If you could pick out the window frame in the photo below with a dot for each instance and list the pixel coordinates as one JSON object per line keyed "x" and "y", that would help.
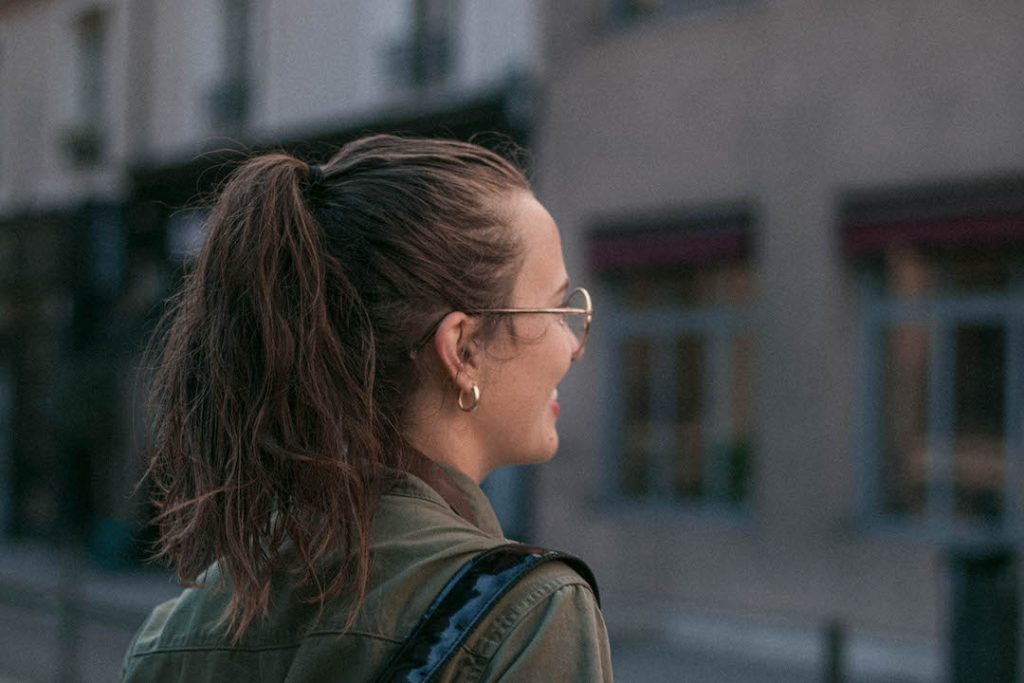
{"x": 719, "y": 326}
{"x": 943, "y": 314}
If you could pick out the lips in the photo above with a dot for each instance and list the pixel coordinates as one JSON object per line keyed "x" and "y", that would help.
{"x": 553, "y": 402}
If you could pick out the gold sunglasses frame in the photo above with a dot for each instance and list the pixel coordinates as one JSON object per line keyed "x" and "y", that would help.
{"x": 587, "y": 312}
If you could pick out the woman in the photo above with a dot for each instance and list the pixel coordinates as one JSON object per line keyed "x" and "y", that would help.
{"x": 359, "y": 345}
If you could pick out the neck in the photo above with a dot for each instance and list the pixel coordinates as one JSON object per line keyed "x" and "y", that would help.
{"x": 448, "y": 439}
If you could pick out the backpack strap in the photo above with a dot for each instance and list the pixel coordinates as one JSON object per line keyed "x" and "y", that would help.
{"x": 463, "y": 602}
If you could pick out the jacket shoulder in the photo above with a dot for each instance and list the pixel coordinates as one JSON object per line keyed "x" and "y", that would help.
{"x": 547, "y": 627}
{"x": 540, "y": 589}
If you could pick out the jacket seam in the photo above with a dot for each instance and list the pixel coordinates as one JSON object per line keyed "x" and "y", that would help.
{"x": 263, "y": 648}
{"x": 416, "y": 496}
{"x": 211, "y": 648}
{"x": 364, "y": 634}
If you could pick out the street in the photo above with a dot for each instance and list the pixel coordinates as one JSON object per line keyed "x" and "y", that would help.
{"x": 30, "y": 649}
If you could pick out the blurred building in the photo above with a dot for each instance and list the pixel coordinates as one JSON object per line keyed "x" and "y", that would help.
{"x": 117, "y": 116}
{"x": 802, "y": 223}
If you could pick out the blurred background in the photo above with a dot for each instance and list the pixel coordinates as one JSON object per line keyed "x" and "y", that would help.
{"x": 793, "y": 450}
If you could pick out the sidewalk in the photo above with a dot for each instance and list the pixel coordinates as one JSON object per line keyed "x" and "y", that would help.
{"x": 35, "y": 574}
{"x": 59, "y": 613}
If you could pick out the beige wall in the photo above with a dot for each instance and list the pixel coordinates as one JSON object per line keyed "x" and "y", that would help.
{"x": 785, "y": 106}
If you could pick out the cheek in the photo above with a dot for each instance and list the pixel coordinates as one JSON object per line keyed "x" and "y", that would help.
{"x": 521, "y": 394}
{"x": 524, "y": 384}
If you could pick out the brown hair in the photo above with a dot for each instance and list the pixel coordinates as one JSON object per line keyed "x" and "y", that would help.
{"x": 280, "y": 386}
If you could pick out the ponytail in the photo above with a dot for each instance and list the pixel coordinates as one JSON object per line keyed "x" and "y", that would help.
{"x": 268, "y": 353}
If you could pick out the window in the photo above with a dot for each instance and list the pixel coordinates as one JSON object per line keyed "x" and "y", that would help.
{"x": 942, "y": 347}
{"x": 678, "y": 364}
{"x": 426, "y": 55}
{"x": 84, "y": 141}
{"x": 631, "y": 10}
{"x": 92, "y": 46}
{"x": 229, "y": 98}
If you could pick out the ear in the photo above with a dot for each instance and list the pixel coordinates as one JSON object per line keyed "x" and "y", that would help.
{"x": 457, "y": 349}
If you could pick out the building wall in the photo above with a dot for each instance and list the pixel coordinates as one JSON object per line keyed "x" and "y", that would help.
{"x": 318, "y": 64}
{"x": 785, "y": 107}
{"x": 183, "y": 69}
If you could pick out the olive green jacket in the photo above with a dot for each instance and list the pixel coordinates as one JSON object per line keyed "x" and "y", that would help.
{"x": 547, "y": 628}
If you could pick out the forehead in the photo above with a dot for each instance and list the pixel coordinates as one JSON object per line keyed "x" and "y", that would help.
{"x": 543, "y": 267}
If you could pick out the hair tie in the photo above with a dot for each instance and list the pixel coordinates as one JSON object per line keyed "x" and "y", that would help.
{"x": 316, "y": 174}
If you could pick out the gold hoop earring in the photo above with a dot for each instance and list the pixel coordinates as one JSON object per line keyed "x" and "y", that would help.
{"x": 476, "y": 400}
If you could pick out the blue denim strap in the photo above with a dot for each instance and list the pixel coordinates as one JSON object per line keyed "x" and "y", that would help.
{"x": 463, "y": 603}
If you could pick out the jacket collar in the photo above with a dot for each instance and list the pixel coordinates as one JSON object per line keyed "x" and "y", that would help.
{"x": 456, "y": 489}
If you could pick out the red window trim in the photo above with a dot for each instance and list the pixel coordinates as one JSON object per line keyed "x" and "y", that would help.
{"x": 672, "y": 242}
{"x": 873, "y": 237}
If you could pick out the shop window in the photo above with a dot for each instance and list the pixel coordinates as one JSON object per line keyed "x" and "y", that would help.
{"x": 678, "y": 364}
